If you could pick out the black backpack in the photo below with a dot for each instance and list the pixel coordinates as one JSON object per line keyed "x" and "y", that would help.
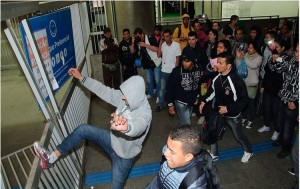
{"x": 204, "y": 165}
{"x": 214, "y": 129}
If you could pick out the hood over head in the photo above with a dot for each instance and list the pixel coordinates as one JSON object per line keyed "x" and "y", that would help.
{"x": 185, "y": 16}
{"x": 134, "y": 91}
{"x": 182, "y": 22}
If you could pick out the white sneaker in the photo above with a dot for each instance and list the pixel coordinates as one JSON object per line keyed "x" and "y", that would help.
{"x": 149, "y": 96}
{"x": 201, "y": 120}
{"x": 157, "y": 100}
{"x": 263, "y": 129}
{"x": 246, "y": 157}
{"x": 213, "y": 157}
{"x": 193, "y": 114}
{"x": 275, "y": 135}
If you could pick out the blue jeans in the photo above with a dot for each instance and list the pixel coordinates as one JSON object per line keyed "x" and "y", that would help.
{"x": 163, "y": 86}
{"x": 184, "y": 113}
{"x": 101, "y": 137}
{"x": 153, "y": 74}
{"x": 236, "y": 126}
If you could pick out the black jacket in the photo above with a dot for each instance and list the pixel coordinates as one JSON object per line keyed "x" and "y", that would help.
{"x": 125, "y": 56}
{"x": 230, "y": 91}
{"x": 183, "y": 86}
{"x": 197, "y": 55}
{"x": 272, "y": 81}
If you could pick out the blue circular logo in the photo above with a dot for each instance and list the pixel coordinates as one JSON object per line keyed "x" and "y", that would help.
{"x": 52, "y": 28}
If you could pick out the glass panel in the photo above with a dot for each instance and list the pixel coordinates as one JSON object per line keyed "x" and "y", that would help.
{"x": 170, "y": 9}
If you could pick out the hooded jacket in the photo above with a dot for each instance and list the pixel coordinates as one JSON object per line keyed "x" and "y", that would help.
{"x": 184, "y": 32}
{"x": 126, "y": 144}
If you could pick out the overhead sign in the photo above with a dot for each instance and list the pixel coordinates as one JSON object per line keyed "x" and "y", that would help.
{"x": 54, "y": 38}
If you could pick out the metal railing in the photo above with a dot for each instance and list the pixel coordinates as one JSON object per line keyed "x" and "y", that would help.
{"x": 21, "y": 169}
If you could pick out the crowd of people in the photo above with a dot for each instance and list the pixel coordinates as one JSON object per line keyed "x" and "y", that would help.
{"x": 194, "y": 69}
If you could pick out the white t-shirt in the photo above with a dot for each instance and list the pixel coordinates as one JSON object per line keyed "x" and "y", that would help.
{"x": 169, "y": 54}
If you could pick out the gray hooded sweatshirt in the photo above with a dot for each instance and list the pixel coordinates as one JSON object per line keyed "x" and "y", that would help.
{"x": 126, "y": 144}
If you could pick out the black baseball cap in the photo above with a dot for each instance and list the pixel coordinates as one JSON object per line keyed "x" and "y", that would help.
{"x": 187, "y": 55}
{"x": 184, "y": 57}
{"x": 158, "y": 27}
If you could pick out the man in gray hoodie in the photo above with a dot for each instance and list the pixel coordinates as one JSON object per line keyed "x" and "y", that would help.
{"x": 128, "y": 128}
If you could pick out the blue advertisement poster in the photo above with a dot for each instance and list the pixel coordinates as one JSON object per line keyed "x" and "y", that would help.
{"x": 54, "y": 37}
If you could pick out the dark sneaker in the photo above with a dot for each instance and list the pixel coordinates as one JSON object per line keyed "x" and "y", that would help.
{"x": 283, "y": 154}
{"x": 249, "y": 124}
{"x": 276, "y": 143}
{"x": 244, "y": 121}
{"x": 158, "y": 108}
{"x": 291, "y": 171}
{"x": 43, "y": 154}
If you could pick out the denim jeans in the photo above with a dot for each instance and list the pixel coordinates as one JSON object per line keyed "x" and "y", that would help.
{"x": 184, "y": 113}
{"x": 153, "y": 74}
{"x": 163, "y": 86}
{"x": 101, "y": 137}
{"x": 271, "y": 110}
{"x": 287, "y": 129}
{"x": 236, "y": 126}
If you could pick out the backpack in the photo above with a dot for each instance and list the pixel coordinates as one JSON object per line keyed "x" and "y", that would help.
{"x": 179, "y": 30}
{"x": 204, "y": 165}
{"x": 214, "y": 129}
{"x": 146, "y": 61}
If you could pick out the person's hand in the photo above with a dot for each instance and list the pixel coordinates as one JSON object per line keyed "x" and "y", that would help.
{"x": 172, "y": 110}
{"x": 291, "y": 106}
{"x": 201, "y": 107}
{"x": 183, "y": 39}
{"x": 262, "y": 90}
{"x": 204, "y": 85}
{"x": 222, "y": 110}
{"x": 118, "y": 122}
{"x": 75, "y": 73}
{"x": 142, "y": 44}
